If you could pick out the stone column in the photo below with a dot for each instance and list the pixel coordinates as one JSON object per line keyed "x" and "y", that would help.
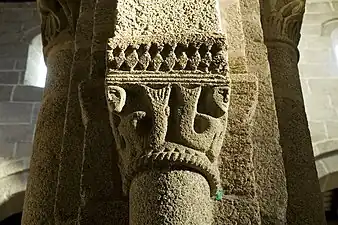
{"x": 253, "y": 193}
{"x": 281, "y": 23}
{"x": 168, "y": 94}
{"x": 58, "y": 40}
{"x": 71, "y": 155}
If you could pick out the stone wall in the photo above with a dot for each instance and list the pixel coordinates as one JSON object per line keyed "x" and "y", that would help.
{"x": 319, "y": 75}
{"x": 19, "y": 103}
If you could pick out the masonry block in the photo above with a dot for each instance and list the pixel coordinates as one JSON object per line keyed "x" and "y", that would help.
{"x": 311, "y": 29}
{"x": 318, "y": 7}
{"x": 27, "y": 93}
{"x": 36, "y": 110}
{"x": 6, "y": 63}
{"x": 318, "y": 131}
{"x": 15, "y": 112}
{"x": 327, "y": 146}
{"x": 319, "y": 43}
{"x": 8, "y": 37}
{"x": 10, "y": 77}
{"x": 315, "y": 56}
{"x": 6, "y": 149}
{"x": 317, "y": 18}
{"x": 324, "y": 86}
{"x": 334, "y": 100}
{"x": 20, "y": 64}
{"x": 14, "y": 50}
{"x": 318, "y": 107}
{"x": 5, "y": 92}
{"x": 320, "y": 70}
{"x": 24, "y": 149}
{"x": 16, "y": 133}
{"x": 332, "y": 129}
{"x": 16, "y": 15}
{"x": 10, "y": 27}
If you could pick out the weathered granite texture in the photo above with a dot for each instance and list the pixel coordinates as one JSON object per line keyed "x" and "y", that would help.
{"x": 101, "y": 190}
{"x": 281, "y": 23}
{"x": 249, "y": 67}
{"x": 267, "y": 157}
{"x": 188, "y": 193}
{"x": 40, "y": 193}
{"x": 168, "y": 94}
{"x": 58, "y": 47}
{"x": 183, "y": 144}
{"x": 71, "y": 155}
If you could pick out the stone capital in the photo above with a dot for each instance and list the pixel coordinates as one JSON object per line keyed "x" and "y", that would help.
{"x": 58, "y": 21}
{"x": 169, "y": 101}
{"x": 283, "y": 25}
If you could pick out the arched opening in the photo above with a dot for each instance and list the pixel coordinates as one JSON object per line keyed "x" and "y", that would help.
{"x": 13, "y": 181}
{"x": 326, "y": 154}
{"x": 36, "y": 70}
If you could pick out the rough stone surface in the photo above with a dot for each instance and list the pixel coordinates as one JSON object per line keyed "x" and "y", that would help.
{"x": 71, "y": 154}
{"x": 267, "y": 155}
{"x": 75, "y": 158}
{"x": 58, "y": 21}
{"x": 136, "y": 18}
{"x": 100, "y": 197}
{"x": 39, "y": 202}
{"x": 168, "y": 95}
{"x": 170, "y": 197}
{"x": 304, "y": 197}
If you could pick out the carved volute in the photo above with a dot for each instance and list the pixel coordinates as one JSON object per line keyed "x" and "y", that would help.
{"x": 169, "y": 100}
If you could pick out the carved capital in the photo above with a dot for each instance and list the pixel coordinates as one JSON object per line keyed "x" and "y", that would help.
{"x": 169, "y": 104}
{"x": 57, "y": 16}
{"x": 284, "y": 24}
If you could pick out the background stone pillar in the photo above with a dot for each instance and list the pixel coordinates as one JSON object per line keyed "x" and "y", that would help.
{"x": 58, "y": 40}
{"x": 255, "y": 149}
{"x": 281, "y": 23}
{"x": 71, "y": 155}
{"x": 101, "y": 188}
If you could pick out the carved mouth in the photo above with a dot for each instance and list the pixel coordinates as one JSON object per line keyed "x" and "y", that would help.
{"x": 172, "y": 156}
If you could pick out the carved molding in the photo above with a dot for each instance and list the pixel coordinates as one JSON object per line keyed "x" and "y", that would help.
{"x": 284, "y": 25}
{"x": 194, "y": 53}
{"x": 168, "y": 116}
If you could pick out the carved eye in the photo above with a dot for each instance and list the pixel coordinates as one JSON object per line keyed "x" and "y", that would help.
{"x": 223, "y": 93}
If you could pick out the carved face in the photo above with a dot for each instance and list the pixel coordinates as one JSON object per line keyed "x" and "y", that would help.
{"x": 189, "y": 116}
{"x": 116, "y": 98}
